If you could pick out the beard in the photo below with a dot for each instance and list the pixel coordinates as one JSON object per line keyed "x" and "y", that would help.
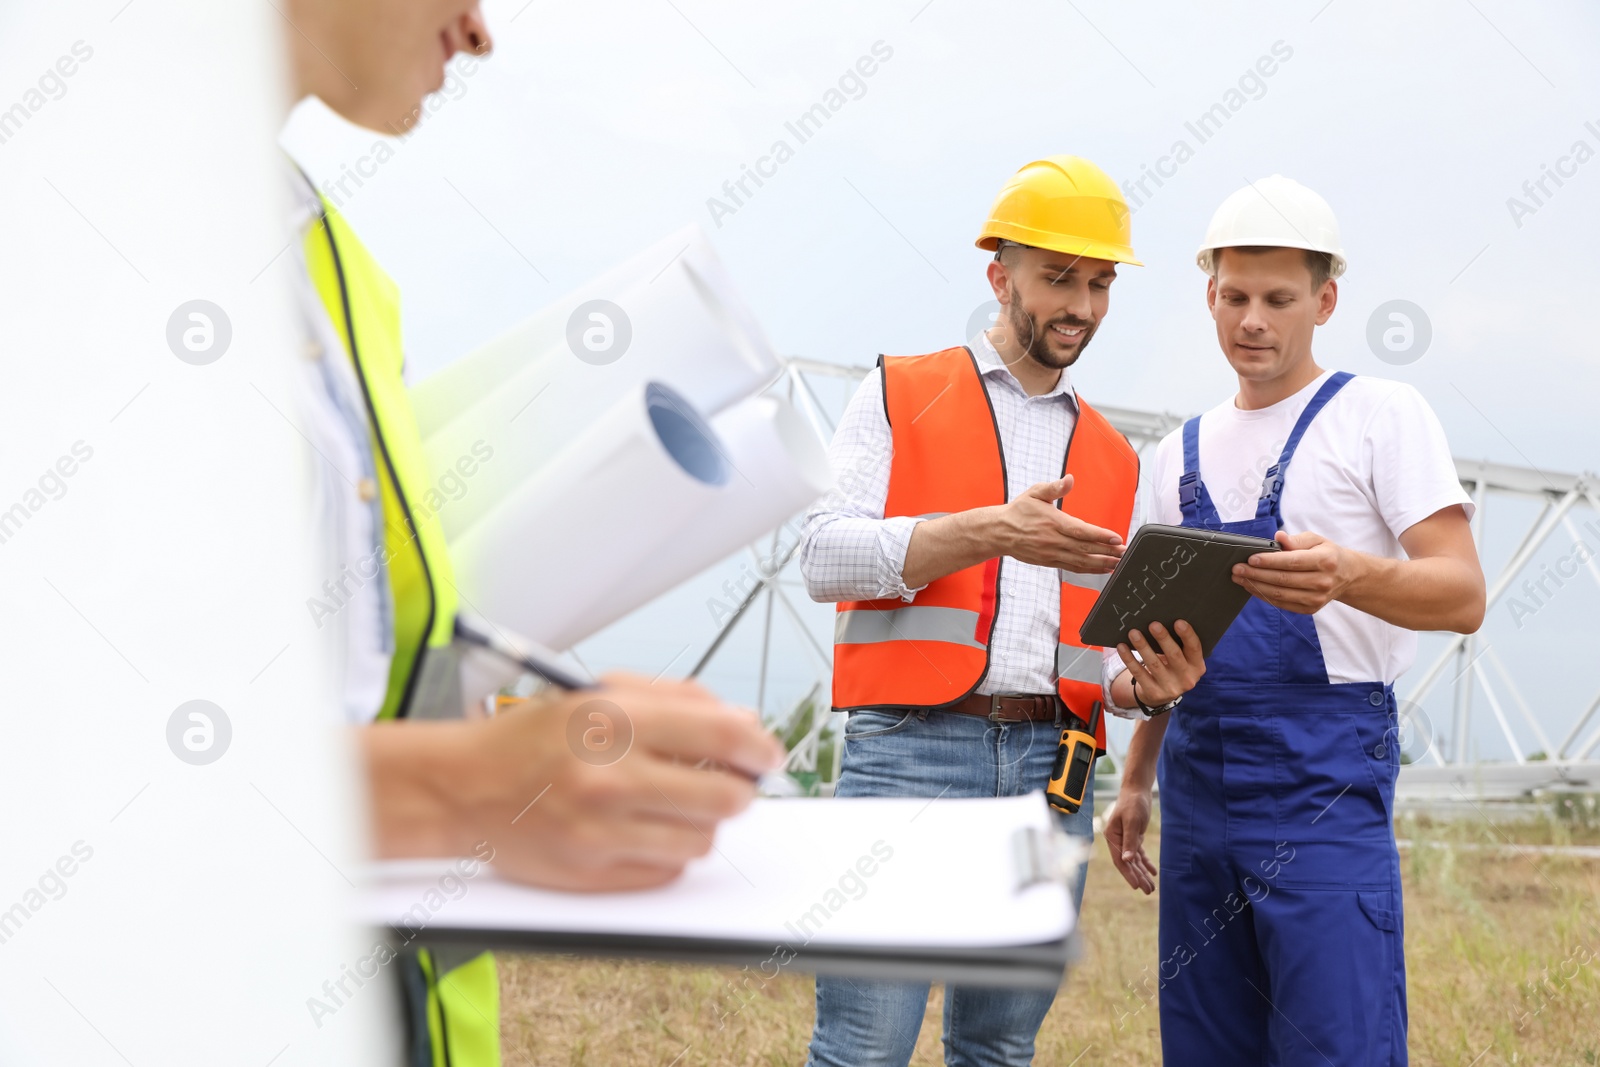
{"x": 1034, "y": 335}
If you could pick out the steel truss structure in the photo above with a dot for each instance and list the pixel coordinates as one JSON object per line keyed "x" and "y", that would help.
{"x": 1437, "y": 771}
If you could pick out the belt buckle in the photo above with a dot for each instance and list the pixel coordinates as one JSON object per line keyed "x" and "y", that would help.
{"x": 994, "y": 710}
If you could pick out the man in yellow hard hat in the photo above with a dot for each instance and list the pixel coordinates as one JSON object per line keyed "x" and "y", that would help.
{"x": 510, "y": 788}
{"x": 982, "y": 502}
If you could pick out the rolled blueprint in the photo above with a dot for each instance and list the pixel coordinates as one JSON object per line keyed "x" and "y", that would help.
{"x": 777, "y": 468}
{"x": 649, "y": 497}
{"x": 608, "y": 505}
{"x": 668, "y": 315}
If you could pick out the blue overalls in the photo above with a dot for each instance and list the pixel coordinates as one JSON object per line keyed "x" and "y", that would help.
{"x": 1281, "y": 939}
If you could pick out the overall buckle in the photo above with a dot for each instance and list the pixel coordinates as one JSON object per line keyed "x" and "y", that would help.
{"x": 1188, "y": 488}
{"x": 1274, "y": 484}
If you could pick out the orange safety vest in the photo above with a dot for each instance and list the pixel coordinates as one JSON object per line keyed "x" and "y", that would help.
{"x": 947, "y": 458}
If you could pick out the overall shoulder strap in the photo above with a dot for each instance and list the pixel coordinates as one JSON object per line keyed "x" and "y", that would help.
{"x": 1193, "y": 498}
{"x": 1272, "y": 486}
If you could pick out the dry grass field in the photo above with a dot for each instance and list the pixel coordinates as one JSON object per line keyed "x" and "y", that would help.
{"x": 1503, "y": 954}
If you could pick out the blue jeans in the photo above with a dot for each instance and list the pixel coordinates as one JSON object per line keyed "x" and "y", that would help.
{"x": 901, "y": 754}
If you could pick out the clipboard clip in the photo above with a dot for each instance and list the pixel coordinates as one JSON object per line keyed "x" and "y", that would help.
{"x": 1045, "y": 855}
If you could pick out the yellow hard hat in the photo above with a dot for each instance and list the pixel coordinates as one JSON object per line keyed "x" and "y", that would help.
{"x": 1065, "y": 204}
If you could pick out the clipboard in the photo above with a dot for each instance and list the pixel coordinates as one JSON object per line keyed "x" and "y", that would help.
{"x": 1170, "y": 573}
{"x": 787, "y": 888}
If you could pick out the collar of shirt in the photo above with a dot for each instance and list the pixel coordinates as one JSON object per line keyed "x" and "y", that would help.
{"x": 992, "y": 366}
{"x": 304, "y": 206}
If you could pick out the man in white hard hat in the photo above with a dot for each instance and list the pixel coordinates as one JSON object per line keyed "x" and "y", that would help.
{"x": 1281, "y": 934}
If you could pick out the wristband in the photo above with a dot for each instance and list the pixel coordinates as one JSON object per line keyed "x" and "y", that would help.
{"x": 1147, "y": 709}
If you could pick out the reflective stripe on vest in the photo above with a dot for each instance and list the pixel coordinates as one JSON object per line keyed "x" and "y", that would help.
{"x": 862, "y": 627}
{"x": 1096, "y": 582}
{"x": 947, "y": 458}
{"x": 1078, "y": 664}
{"x": 364, "y": 306}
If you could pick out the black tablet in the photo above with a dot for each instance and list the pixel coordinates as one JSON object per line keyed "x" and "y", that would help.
{"x": 1170, "y": 573}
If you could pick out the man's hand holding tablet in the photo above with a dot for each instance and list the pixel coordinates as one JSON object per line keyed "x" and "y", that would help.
{"x": 1162, "y": 672}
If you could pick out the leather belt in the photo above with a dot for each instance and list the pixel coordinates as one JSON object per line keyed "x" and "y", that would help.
{"x": 1012, "y": 707}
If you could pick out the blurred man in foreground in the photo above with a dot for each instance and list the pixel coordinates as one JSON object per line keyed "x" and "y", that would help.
{"x": 444, "y": 788}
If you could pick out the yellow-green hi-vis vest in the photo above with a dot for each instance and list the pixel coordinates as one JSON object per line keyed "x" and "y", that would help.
{"x": 463, "y": 1001}
{"x": 463, "y": 1010}
{"x": 364, "y": 306}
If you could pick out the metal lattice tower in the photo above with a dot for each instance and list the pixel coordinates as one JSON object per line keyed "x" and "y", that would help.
{"x": 1446, "y": 770}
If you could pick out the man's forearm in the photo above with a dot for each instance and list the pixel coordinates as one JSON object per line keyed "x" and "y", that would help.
{"x": 852, "y": 557}
{"x": 1121, "y": 691}
{"x": 1432, "y": 593}
{"x": 1139, "y": 768}
{"x": 948, "y": 544}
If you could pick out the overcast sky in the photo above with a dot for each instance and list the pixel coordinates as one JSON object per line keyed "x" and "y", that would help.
{"x": 597, "y": 128}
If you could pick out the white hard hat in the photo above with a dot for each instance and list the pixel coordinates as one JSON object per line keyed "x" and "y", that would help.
{"x": 1275, "y": 212}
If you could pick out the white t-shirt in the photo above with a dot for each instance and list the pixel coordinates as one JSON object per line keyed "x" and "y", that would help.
{"x": 1373, "y": 463}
